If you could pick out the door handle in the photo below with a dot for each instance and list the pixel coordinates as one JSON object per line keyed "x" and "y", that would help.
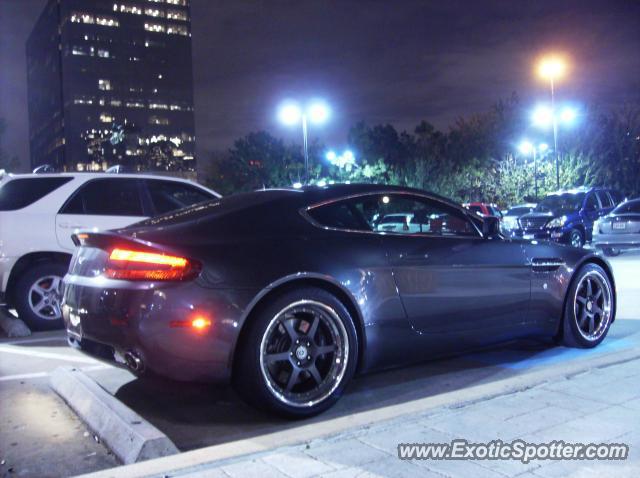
{"x": 67, "y": 225}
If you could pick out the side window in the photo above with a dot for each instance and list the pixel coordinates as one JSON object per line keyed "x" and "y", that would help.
{"x": 605, "y": 200}
{"x": 592, "y": 203}
{"x": 339, "y": 215}
{"x": 106, "y": 197}
{"x": 22, "y": 192}
{"x": 394, "y": 213}
{"x": 168, "y": 196}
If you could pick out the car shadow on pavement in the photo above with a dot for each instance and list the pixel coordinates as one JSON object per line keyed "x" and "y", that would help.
{"x": 197, "y": 415}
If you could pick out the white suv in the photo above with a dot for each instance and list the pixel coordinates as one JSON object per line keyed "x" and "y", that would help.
{"x": 39, "y": 212}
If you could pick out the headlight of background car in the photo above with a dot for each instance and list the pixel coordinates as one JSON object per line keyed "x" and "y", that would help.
{"x": 556, "y": 222}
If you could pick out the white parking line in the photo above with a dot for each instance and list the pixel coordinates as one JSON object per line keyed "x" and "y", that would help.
{"x": 13, "y": 349}
{"x": 26, "y": 376}
{"x": 34, "y": 340}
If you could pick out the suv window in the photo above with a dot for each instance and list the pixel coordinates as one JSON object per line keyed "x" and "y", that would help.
{"x": 171, "y": 195}
{"x": 592, "y": 203}
{"x": 605, "y": 200}
{"x": 394, "y": 213}
{"x": 106, "y": 197}
{"x": 21, "y": 192}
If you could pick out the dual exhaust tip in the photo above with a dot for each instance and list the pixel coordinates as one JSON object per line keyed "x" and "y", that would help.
{"x": 134, "y": 362}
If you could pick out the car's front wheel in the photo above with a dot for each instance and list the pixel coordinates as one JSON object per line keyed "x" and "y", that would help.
{"x": 589, "y": 308}
{"x": 576, "y": 238}
{"x": 299, "y": 354}
{"x": 38, "y": 296}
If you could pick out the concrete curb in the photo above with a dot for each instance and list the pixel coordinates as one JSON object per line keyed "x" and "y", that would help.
{"x": 127, "y": 434}
{"x": 201, "y": 459}
{"x": 13, "y": 326}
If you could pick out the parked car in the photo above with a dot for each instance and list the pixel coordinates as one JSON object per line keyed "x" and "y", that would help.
{"x": 289, "y": 293}
{"x": 510, "y": 216}
{"x": 484, "y": 209}
{"x": 567, "y": 216}
{"x": 40, "y": 212}
{"x": 619, "y": 229}
{"x": 396, "y": 223}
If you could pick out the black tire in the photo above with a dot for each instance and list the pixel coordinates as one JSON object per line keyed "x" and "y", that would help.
{"x": 261, "y": 381}
{"x": 576, "y": 238}
{"x": 48, "y": 318}
{"x": 577, "y": 312}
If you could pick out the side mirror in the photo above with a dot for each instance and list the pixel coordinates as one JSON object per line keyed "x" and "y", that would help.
{"x": 490, "y": 226}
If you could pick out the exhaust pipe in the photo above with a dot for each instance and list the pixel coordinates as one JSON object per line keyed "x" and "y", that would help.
{"x": 134, "y": 362}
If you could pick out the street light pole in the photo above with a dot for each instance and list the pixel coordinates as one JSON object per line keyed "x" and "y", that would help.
{"x": 305, "y": 148}
{"x": 555, "y": 132}
{"x": 535, "y": 173}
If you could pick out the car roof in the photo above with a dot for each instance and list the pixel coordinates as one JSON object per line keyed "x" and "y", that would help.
{"x": 97, "y": 175}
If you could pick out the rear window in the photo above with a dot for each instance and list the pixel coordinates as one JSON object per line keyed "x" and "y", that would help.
{"x": 628, "y": 207}
{"x": 107, "y": 197}
{"x": 22, "y": 192}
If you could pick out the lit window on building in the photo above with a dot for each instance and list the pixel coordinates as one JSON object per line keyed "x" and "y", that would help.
{"x": 154, "y": 27}
{"x": 134, "y": 104}
{"x": 175, "y": 108}
{"x": 156, "y": 1}
{"x": 115, "y": 102}
{"x": 78, "y": 50}
{"x": 158, "y": 120}
{"x": 177, "y": 30}
{"x": 107, "y": 21}
{"x": 103, "y": 53}
{"x": 106, "y": 118}
{"x": 182, "y": 3}
{"x": 158, "y": 106}
{"x": 177, "y": 15}
{"x": 104, "y": 85}
{"x": 79, "y": 17}
{"x": 83, "y": 100}
{"x": 154, "y": 12}
{"x": 124, "y": 8}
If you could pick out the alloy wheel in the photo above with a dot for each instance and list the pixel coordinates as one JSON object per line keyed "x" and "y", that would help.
{"x": 576, "y": 239}
{"x": 592, "y": 305}
{"x": 304, "y": 353}
{"x": 45, "y": 296}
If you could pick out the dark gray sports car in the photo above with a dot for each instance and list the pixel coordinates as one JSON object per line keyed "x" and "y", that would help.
{"x": 288, "y": 293}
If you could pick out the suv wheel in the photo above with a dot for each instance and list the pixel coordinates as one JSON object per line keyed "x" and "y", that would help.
{"x": 38, "y": 296}
{"x": 299, "y": 354}
{"x": 576, "y": 238}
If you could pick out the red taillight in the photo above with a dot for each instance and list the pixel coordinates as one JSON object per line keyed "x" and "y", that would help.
{"x": 131, "y": 264}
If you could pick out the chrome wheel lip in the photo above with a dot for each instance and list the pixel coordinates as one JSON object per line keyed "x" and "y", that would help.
{"x": 607, "y": 306}
{"x": 50, "y": 298}
{"x": 343, "y": 353}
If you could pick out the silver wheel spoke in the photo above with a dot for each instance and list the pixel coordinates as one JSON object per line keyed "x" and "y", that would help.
{"x": 314, "y": 327}
{"x": 293, "y": 379}
{"x": 598, "y": 294}
{"x": 56, "y": 309}
{"x": 279, "y": 357}
{"x": 583, "y": 317}
{"x": 326, "y": 349}
{"x": 581, "y": 300}
{"x": 39, "y": 306}
{"x": 288, "y": 325}
{"x": 315, "y": 374}
{"x": 589, "y": 288}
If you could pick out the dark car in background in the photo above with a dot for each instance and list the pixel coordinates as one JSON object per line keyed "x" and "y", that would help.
{"x": 567, "y": 216}
{"x": 619, "y": 229}
{"x": 289, "y": 293}
{"x": 511, "y": 216}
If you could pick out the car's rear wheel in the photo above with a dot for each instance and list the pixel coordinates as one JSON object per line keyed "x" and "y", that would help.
{"x": 576, "y": 238}
{"x": 38, "y": 296}
{"x": 589, "y": 308}
{"x": 299, "y": 354}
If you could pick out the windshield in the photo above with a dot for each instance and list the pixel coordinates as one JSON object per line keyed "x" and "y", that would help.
{"x": 561, "y": 202}
{"x": 518, "y": 211}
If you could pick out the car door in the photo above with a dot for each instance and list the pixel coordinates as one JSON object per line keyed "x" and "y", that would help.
{"x": 100, "y": 204}
{"x": 452, "y": 280}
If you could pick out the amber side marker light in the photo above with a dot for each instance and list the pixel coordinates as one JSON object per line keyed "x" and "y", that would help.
{"x": 131, "y": 264}
{"x": 198, "y": 323}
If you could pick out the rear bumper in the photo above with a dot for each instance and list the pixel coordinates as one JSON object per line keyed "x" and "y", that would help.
{"x": 619, "y": 241}
{"x": 108, "y": 319}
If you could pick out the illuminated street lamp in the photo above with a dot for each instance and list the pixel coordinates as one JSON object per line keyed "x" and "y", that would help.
{"x": 346, "y": 160}
{"x": 553, "y": 68}
{"x": 291, "y": 114}
{"x": 528, "y": 148}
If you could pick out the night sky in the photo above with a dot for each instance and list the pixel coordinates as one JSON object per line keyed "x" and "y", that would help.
{"x": 379, "y": 61}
